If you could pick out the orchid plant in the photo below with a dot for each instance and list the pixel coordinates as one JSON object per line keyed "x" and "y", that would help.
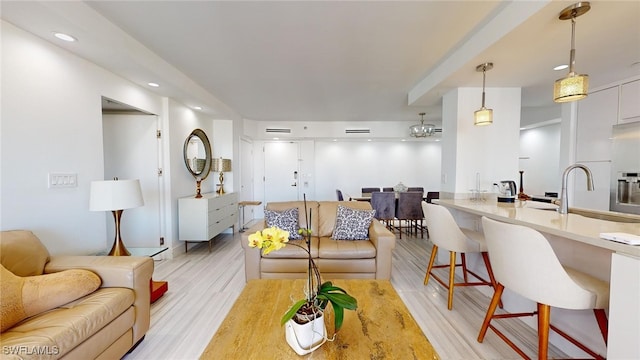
{"x": 318, "y": 294}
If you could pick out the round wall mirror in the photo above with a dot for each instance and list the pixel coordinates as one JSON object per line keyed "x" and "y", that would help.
{"x": 197, "y": 156}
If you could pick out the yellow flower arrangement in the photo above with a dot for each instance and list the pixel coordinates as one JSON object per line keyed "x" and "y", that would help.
{"x": 269, "y": 239}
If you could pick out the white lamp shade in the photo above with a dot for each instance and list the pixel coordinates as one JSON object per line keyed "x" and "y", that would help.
{"x": 109, "y": 195}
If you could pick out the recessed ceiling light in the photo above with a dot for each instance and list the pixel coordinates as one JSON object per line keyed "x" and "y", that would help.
{"x": 403, "y": 140}
{"x": 335, "y": 139}
{"x": 65, "y": 37}
{"x": 198, "y": 107}
{"x": 368, "y": 139}
{"x": 276, "y": 138}
{"x": 152, "y": 84}
{"x": 561, "y": 67}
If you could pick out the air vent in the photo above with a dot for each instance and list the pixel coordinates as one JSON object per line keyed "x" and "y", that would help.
{"x": 357, "y": 131}
{"x": 278, "y": 131}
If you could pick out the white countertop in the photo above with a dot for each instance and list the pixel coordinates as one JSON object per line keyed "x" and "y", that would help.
{"x": 570, "y": 226}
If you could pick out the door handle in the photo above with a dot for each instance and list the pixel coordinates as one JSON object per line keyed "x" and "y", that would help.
{"x": 295, "y": 179}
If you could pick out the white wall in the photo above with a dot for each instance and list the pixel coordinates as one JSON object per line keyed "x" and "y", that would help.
{"x": 349, "y": 166}
{"x": 540, "y": 159}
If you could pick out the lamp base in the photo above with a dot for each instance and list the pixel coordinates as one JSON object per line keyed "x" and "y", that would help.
{"x": 118, "y": 248}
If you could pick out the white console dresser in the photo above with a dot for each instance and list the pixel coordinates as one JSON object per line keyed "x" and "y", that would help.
{"x": 202, "y": 219}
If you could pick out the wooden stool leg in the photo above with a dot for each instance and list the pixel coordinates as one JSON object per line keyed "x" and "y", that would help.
{"x": 490, "y": 311}
{"x": 452, "y": 274}
{"x": 464, "y": 266}
{"x": 487, "y": 264}
{"x": 603, "y": 323}
{"x": 434, "y": 251}
{"x": 544, "y": 313}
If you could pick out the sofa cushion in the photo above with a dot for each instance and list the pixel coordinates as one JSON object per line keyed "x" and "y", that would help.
{"x": 22, "y": 253}
{"x": 22, "y": 297}
{"x": 346, "y": 249}
{"x": 328, "y": 211}
{"x": 286, "y": 220}
{"x": 352, "y": 224}
{"x": 65, "y": 327}
{"x": 312, "y": 208}
{"x": 291, "y": 251}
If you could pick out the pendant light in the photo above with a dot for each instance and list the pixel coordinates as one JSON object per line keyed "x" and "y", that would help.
{"x": 483, "y": 116}
{"x": 572, "y": 87}
{"x": 422, "y": 130}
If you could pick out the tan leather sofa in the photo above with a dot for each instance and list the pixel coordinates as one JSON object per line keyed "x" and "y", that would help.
{"x": 336, "y": 259}
{"x": 105, "y": 324}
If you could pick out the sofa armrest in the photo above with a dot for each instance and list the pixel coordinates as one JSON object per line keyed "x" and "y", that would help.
{"x": 384, "y": 241}
{"x": 251, "y": 255}
{"x": 132, "y": 272}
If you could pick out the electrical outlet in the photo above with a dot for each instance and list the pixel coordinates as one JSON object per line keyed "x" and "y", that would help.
{"x": 161, "y": 241}
{"x": 63, "y": 180}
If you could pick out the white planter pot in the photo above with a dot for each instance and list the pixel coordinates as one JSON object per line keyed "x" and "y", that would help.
{"x": 306, "y": 338}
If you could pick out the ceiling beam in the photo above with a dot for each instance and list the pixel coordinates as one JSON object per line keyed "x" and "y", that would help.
{"x": 506, "y": 17}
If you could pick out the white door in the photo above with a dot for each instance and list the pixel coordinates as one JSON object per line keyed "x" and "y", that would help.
{"x": 281, "y": 171}
{"x": 131, "y": 151}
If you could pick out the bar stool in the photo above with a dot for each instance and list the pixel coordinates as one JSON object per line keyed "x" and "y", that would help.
{"x": 446, "y": 234}
{"x": 525, "y": 263}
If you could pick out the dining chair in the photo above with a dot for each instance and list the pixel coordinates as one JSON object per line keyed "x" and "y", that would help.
{"x": 369, "y": 190}
{"x": 445, "y": 234}
{"x": 339, "y": 194}
{"x": 432, "y": 195}
{"x": 525, "y": 263}
{"x": 387, "y": 189}
{"x": 409, "y": 211}
{"x": 413, "y": 189}
{"x": 384, "y": 203}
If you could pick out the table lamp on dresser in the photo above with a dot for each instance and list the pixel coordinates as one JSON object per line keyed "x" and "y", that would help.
{"x": 116, "y": 196}
{"x": 222, "y": 166}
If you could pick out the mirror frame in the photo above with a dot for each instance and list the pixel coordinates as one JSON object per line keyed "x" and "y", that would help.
{"x": 200, "y": 134}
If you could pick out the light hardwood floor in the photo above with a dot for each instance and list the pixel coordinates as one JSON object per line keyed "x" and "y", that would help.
{"x": 203, "y": 286}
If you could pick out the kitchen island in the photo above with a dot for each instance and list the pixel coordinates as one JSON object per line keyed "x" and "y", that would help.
{"x": 576, "y": 241}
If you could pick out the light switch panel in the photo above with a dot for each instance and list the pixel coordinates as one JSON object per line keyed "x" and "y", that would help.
{"x": 63, "y": 180}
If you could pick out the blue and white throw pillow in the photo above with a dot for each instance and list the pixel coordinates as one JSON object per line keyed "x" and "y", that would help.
{"x": 352, "y": 224}
{"x": 285, "y": 220}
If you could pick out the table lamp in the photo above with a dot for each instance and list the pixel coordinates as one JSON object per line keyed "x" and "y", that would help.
{"x": 221, "y": 165}
{"x": 116, "y": 196}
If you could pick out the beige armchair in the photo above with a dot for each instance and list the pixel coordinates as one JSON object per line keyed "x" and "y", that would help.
{"x": 105, "y": 324}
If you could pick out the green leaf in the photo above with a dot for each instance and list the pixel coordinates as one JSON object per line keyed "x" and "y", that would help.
{"x": 292, "y": 311}
{"x": 338, "y": 318}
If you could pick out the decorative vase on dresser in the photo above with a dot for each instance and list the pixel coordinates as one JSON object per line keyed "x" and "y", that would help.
{"x": 201, "y": 219}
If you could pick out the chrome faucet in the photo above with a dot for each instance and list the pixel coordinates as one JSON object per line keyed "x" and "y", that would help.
{"x": 564, "y": 201}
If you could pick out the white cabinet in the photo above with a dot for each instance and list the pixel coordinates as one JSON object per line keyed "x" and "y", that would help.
{"x": 630, "y": 102}
{"x": 202, "y": 219}
{"x": 596, "y": 116}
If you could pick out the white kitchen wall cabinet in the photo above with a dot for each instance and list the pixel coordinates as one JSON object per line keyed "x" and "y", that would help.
{"x": 630, "y": 102}
{"x": 202, "y": 219}
{"x": 596, "y": 116}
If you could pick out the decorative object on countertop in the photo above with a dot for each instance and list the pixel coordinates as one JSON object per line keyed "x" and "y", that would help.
{"x": 221, "y": 165}
{"x": 521, "y": 194}
{"x": 116, "y": 196}
{"x": 483, "y": 116}
{"x": 572, "y": 87}
{"x": 197, "y": 157}
{"x": 305, "y": 329}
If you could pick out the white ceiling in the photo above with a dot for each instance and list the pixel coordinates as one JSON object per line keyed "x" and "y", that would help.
{"x": 339, "y": 60}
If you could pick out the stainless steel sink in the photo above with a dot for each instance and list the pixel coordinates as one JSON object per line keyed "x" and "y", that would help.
{"x": 609, "y": 216}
